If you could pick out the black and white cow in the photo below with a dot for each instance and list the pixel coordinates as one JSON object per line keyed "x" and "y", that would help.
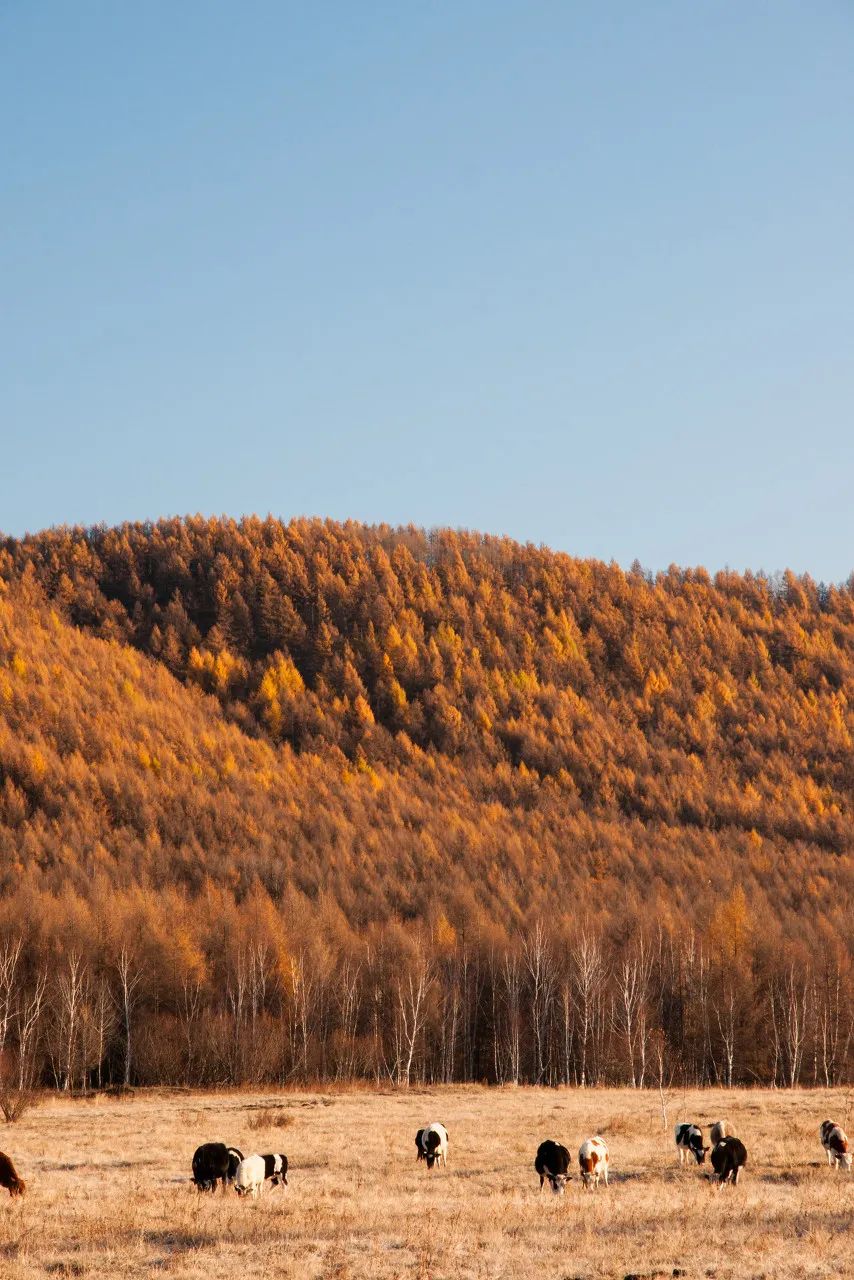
{"x": 689, "y": 1139}
{"x": 835, "y": 1142}
{"x": 432, "y": 1144}
{"x": 215, "y": 1162}
{"x": 552, "y": 1163}
{"x": 254, "y": 1171}
{"x": 728, "y": 1159}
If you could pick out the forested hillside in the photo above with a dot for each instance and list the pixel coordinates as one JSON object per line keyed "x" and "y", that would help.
{"x": 310, "y": 799}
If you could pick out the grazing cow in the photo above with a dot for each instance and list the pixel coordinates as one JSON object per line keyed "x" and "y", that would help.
{"x": 593, "y": 1161}
{"x": 728, "y": 1159}
{"x": 835, "y": 1142}
{"x": 718, "y": 1132}
{"x": 254, "y": 1171}
{"x": 432, "y": 1144}
{"x": 552, "y": 1162}
{"x": 215, "y": 1162}
{"x": 689, "y": 1138}
{"x": 9, "y": 1178}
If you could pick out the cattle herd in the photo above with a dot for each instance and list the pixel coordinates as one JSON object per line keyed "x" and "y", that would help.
{"x": 215, "y": 1164}
{"x": 729, "y": 1155}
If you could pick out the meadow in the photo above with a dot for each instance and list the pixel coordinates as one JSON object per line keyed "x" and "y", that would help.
{"x": 109, "y": 1191}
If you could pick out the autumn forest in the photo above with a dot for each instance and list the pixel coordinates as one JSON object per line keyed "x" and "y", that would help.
{"x": 299, "y": 801}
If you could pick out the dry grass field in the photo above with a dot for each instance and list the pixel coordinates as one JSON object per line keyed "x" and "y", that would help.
{"x": 109, "y": 1192}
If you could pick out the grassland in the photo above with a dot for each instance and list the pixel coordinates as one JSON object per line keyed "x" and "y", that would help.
{"x": 109, "y": 1192}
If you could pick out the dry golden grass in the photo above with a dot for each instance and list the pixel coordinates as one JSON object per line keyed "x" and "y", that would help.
{"x": 109, "y": 1191}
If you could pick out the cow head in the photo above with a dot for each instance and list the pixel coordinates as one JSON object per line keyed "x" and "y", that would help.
{"x": 558, "y": 1182}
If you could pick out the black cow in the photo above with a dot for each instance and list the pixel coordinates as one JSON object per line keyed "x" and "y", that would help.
{"x": 728, "y": 1159}
{"x": 552, "y": 1162}
{"x": 689, "y": 1137}
{"x": 215, "y": 1162}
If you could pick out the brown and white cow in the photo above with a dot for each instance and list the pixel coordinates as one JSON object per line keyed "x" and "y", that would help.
{"x": 593, "y": 1162}
{"x": 718, "y": 1132}
{"x": 835, "y": 1142}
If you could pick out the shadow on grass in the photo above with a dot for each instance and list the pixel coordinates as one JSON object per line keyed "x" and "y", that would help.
{"x": 783, "y": 1177}
{"x": 178, "y": 1241}
{"x": 69, "y": 1166}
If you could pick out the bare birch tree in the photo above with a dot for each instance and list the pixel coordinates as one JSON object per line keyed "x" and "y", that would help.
{"x": 725, "y": 1014}
{"x": 411, "y": 1010}
{"x": 507, "y": 1004}
{"x": 789, "y": 1004}
{"x": 630, "y": 1013}
{"x": 588, "y": 977}
{"x": 10, "y": 955}
{"x": 130, "y": 977}
{"x": 542, "y": 977}
{"x": 348, "y": 999}
{"x": 67, "y": 1007}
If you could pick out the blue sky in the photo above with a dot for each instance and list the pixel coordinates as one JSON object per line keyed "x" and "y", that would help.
{"x": 580, "y": 273}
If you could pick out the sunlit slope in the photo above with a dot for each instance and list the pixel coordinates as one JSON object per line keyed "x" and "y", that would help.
{"x": 401, "y": 722}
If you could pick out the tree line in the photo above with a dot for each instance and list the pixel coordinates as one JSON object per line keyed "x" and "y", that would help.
{"x": 552, "y": 1008}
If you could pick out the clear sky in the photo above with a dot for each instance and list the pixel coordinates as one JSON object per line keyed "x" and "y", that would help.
{"x": 581, "y": 273}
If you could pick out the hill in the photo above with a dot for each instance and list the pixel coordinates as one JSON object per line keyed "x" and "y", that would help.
{"x": 428, "y": 759}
